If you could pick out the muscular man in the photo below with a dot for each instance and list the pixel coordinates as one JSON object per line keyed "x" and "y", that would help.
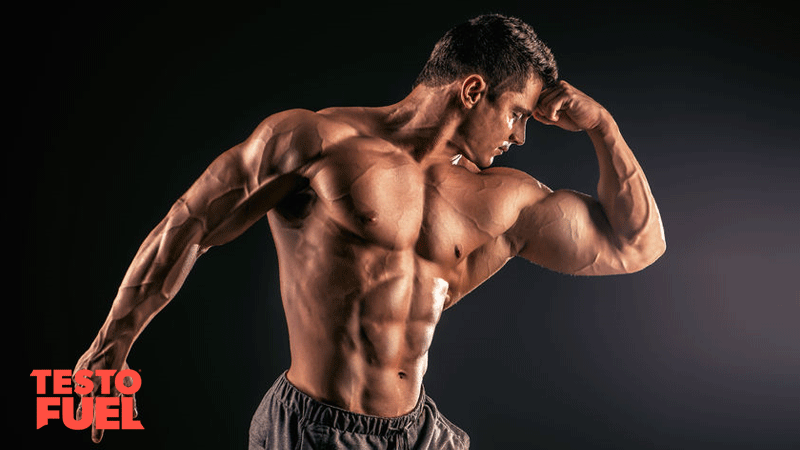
{"x": 385, "y": 217}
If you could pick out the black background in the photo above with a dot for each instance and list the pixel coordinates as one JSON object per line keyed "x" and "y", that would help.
{"x": 116, "y": 110}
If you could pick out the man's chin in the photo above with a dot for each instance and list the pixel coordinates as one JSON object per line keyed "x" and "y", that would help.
{"x": 471, "y": 164}
{"x": 486, "y": 161}
{"x": 480, "y": 163}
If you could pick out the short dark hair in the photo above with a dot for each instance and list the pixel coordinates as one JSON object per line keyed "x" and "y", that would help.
{"x": 504, "y": 50}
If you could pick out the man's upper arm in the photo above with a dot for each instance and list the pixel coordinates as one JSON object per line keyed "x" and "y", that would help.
{"x": 568, "y": 232}
{"x": 245, "y": 182}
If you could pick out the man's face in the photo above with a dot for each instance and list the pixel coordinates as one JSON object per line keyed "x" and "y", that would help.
{"x": 493, "y": 125}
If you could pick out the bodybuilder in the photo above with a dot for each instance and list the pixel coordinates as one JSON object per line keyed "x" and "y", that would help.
{"x": 385, "y": 217}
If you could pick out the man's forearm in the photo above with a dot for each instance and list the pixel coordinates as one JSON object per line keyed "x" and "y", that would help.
{"x": 624, "y": 193}
{"x": 157, "y": 272}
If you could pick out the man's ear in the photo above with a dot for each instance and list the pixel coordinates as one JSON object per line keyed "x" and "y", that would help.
{"x": 473, "y": 88}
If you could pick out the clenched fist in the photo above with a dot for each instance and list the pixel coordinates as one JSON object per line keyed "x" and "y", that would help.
{"x": 566, "y": 107}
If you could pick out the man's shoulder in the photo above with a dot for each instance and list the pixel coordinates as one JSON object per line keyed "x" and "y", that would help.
{"x": 299, "y": 123}
{"x": 515, "y": 179}
{"x": 291, "y": 138}
{"x": 514, "y": 188}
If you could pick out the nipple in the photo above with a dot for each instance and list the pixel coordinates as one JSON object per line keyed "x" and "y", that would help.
{"x": 369, "y": 217}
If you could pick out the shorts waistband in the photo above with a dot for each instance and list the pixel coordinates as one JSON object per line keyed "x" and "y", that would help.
{"x": 313, "y": 411}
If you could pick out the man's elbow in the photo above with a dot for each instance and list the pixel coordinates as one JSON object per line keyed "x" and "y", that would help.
{"x": 639, "y": 257}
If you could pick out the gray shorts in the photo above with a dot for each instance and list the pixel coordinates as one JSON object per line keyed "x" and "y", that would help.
{"x": 289, "y": 419}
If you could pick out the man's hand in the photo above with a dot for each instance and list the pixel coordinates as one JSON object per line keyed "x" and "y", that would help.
{"x": 568, "y": 108}
{"x": 93, "y": 361}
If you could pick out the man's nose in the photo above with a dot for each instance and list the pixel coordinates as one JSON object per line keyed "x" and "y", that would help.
{"x": 518, "y": 134}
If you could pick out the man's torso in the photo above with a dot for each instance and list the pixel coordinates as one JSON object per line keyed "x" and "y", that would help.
{"x": 372, "y": 252}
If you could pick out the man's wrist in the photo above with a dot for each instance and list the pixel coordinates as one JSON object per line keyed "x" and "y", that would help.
{"x": 113, "y": 342}
{"x": 605, "y": 124}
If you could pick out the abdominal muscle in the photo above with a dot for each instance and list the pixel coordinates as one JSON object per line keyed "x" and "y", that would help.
{"x": 361, "y": 319}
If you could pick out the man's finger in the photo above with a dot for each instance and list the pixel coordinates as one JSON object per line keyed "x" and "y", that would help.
{"x": 97, "y": 435}
{"x": 133, "y": 397}
{"x": 547, "y": 96}
{"x": 553, "y": 108}
{"x": 542, "y": 118}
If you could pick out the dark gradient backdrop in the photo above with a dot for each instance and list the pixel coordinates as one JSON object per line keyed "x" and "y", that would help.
{"x": 116, "y": 111}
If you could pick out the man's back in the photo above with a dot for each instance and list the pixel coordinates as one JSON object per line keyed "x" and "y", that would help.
{"x": 374, "y": 249}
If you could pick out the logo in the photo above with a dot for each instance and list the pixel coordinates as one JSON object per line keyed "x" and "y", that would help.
{"x": 109, "y": 412}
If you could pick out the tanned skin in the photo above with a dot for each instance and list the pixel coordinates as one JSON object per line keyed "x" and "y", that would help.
{"x": 385, "y": 217}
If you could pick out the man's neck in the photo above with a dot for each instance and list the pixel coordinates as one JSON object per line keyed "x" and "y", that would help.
{"x": 426, "y": 122}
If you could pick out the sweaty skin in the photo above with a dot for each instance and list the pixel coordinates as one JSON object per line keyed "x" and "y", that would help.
{"x": 385, "y": 217}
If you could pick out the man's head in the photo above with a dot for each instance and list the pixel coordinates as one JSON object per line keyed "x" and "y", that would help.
{"x": 505, "y": 51}
{"x": 489, "y": 127}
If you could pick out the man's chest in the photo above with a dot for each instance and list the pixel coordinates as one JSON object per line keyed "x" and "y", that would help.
{"x": 443, "y": 212}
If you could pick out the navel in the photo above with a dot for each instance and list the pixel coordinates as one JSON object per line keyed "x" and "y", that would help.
{"x": 458, "y": 252}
